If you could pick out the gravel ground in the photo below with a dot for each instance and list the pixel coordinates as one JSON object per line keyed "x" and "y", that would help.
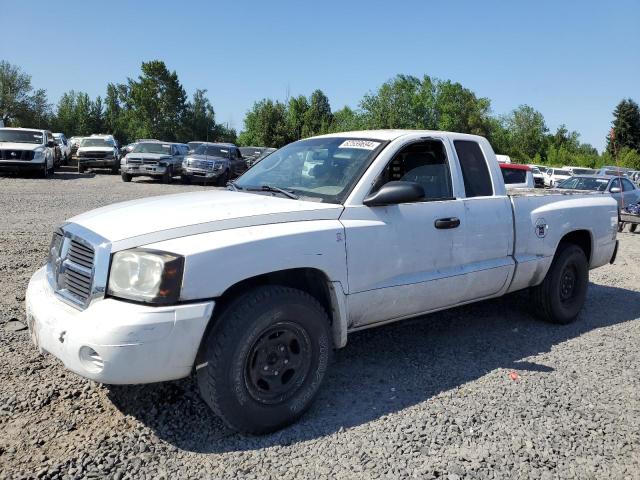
{"x": 483, "y": 391}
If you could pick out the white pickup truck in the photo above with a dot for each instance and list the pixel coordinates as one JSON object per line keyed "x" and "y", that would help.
{"x": 251, "y": 288}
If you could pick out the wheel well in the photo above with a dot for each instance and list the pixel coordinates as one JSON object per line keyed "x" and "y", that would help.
{"x": 581, "y": 238}
{"x": 309, "y": 280}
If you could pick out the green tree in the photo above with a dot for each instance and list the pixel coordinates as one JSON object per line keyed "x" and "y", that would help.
{"x": 398, "y": 103}
{"x": 266, "y": 125}
{"x": 200, "y": 117}
{"x": 296, "y": 115}
{"x": 347, "y": 119}
{"x": 459, "y": 110}
{"x": 20, "y": 104}
{"x": 626, "y": 127}
{"x": 318, "y": 117}
{"x": 526, "y": 133}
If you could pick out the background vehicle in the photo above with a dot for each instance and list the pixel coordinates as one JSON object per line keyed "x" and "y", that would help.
{"x": 98, "y": 151}
{"x": 579, "y": 170}
{"x": 503, "y": 158}
{"x": 613, "y": 170}
{"x": 65, "y": 147}
{"x": 621, "y": 188}
{"x": 516, "y": 175}
{"x": 253, "y": 155}
{"x": 153, "y": 159}
{"x": 27, "y": 150}
{"x": 210, "y": 162}
{"x": 553, "y": 176}
{"x": 385, "y": 225}
{"x": 74, "y": 144}
{"x": 538, "y": 176}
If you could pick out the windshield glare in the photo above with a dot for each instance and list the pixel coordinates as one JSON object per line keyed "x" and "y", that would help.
{"x": 585, "y": 183}
{"x": 321, "y": 168}
{"x": 21, "y": 136}
{"x": 212, "y": 151}
{"x": 96, "y": 142}
{"x": 161, "y": 148}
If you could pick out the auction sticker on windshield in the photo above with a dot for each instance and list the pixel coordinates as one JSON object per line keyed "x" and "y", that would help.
{"x": 363, "y": 144}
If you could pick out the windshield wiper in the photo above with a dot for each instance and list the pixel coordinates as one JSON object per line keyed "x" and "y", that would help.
{"x": 271, "y": 188}
{"x": 233, "y": 185}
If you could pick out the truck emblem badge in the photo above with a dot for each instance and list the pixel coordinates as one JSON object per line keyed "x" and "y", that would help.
{"x": 13, "y": 154}
{"x": 541, "y": 228}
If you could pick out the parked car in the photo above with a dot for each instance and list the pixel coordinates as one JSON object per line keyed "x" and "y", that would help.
{"x": 613, "y": 170}
{"x": 251, "y": 288}
{"x": 538, "y": 176}
{"x": 553, "y": 176}
{"x": 579, "y": 170}
{"x": 74, "y": 144}
{"x": 27, "y": 150}
{"x": 213, "y": 162}
{"x": 516, "y": 175}
{"x": 154, "y": 159}
{"x": 64, "y": 145}
{"x": 621, "y": 188}
{"x": 253, "y": 155}
{"x": 98, "y": 151}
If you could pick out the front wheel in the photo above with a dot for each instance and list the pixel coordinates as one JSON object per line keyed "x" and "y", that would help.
{"x": 167, "y": 176}
{"x": 265, "y": 359}
{"x": 562, "y": 293}
{"x": 81, "y": 169}
{"x": 223, "y": 179}
{"x": 632, "y": 227}
{"x": 126, "y": 177}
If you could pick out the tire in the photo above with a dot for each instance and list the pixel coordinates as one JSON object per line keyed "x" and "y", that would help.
{"x": 561, "y": 295}
{"x": 167, "y": 176}
{"x": 223, "y": 179}
{"x": 621, "y": 226}
{"x": 45, "y": 172}
{"x": 248, "y": 379}
{"x": 81, "y": 169}
{"x": 632, "y": 227}
{"x": 185, "y": 180}
{"x": 115, "y": 169}
{"x": 126, "y": 177}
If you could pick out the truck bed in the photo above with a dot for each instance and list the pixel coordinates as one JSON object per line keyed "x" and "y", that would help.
{"x": 543, "y": 192}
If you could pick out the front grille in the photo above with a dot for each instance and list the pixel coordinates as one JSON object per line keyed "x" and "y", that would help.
{"x": 90, "y": 154}
{"x": 202, "y": 164}
{"x": 7, "y": 154}
{"x": 134, "y": 161}
{"x": 150, "y": 162}
{"x": 71, "y": 262}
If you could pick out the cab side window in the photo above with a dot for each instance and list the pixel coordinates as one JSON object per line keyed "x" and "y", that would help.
{"x": 615, "y": 183}
{"x": 626, "y": 185}
{"x": 424, "y": 163}
{"x": 475, "y": 172}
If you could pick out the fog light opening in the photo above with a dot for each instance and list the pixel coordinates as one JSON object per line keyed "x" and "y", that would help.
{"x": 90, "y": 359}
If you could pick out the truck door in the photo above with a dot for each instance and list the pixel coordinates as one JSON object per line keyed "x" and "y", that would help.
{"x": 407, "y": 259}
{"x": 489, "y": 229}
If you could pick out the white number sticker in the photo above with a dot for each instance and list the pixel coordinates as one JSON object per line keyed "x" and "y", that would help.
{"x": 363, "y": 144}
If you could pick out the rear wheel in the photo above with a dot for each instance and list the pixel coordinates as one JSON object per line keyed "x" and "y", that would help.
{"x": 561, "y": 295}
{"x": 45, "y": 171}
{"x": 266, "y": 358}
{"x": 81, "y": 169}
{"x": 126, "y": 177}
{"x": 185, "y": 180}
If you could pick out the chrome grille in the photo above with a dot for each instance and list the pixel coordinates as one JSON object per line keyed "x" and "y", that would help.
{"x": 71, "y": 265}
{"x": 202, "y": 164}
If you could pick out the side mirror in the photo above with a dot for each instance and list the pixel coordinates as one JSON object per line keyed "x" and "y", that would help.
{"x": 615, "y": 190}
{"x": 51, "y": 144}
{"x": 393, "y": 193}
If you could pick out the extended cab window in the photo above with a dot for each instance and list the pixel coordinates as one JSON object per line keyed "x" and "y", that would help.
{"x": 475, "y": 172}
{"x": 626, "y": 185}
{"x": 424, "y": 163}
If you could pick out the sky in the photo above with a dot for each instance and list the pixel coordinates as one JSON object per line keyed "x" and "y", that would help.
{"x": 571, "y": 60}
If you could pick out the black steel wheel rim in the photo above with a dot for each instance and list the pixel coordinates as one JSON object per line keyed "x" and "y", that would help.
{"x": 568, "y": 282}
{"x": 278, "y": 363}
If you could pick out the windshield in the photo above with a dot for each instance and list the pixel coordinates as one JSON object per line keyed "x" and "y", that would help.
{"x": 535, "y": 170}
{"x": 212, "y": 151}
{"x": 21, "y": 136}
{"x": 320, "y": 168}
{"x": 582, "y": 171}
{"x": 163, "y": 148}
{"x": 562, "y": 172}
{"x": 96, "y": 142}
{"x": 585, "y": 183}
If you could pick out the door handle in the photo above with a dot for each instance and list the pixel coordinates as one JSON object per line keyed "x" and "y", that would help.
{"x": 444, "y": 223}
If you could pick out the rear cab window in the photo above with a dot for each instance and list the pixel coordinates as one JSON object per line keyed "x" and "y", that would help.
{"x": 475, "y": 171}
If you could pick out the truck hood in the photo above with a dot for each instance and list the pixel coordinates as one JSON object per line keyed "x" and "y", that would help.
{"x": 140, "y": 222}
{"x": 214, "y": 158}
{"x": 95, "y": 149}
{"x": 149, "y": 156}
{"x": 20, "y": 146}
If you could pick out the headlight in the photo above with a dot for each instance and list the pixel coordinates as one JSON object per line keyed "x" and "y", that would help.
{"x": 218, "y": 165}
{"x": 38, "y": 154}
{"x": 146, "y": 276}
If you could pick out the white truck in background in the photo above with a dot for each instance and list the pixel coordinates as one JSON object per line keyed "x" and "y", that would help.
{"x": 250, "y": 289}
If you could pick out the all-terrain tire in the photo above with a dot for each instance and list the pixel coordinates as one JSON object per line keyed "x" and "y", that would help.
{"x": 562, "y": 293}
{"x": 239, "y": 347}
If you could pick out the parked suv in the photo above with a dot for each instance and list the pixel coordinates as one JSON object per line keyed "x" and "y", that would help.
{"x": 153, "y": 159}
{"x": 213, "y": 162}
{"x": 27, "y": 150}
{"x": 98, "y": 151}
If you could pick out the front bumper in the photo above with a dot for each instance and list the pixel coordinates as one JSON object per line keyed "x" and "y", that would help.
{"x": 143, "y": 170}
{"x": 20, "y": 166}
{"x": 195, "y": 174}
{"x": 97, "y": 162}
{"x": 134, "y": 343}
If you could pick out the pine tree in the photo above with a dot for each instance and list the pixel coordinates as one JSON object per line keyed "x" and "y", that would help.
{"x": 625, "y": 126}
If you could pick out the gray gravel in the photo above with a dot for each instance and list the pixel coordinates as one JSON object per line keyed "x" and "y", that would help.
{"x": 483, "y": 391}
